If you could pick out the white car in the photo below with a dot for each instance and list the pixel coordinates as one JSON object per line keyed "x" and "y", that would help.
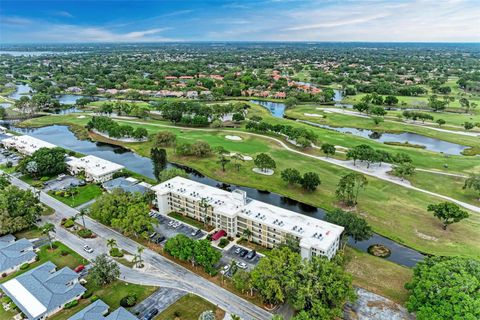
{"x": 225, "y": 269}
{"x": 242, "y": 265}
{"x": 87, "y": 249}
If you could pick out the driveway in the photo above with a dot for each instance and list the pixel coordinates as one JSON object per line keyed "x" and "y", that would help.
{"x": 61, "y": 183}
{"x": 229, "y": 255}
{"x": 169, "y": 232}
{"x": 160, "y": 299}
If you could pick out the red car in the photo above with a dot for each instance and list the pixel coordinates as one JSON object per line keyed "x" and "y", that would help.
{"x": 80, "y": 268}
{"x": 217, "y": 235}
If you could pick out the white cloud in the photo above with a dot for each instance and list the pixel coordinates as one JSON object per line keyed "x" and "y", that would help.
{"x": 64, "y": 14}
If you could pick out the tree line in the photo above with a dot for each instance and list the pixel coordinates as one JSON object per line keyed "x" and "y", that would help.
{"x": 115, "y": 130}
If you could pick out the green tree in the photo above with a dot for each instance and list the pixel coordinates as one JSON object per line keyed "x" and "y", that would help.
{"x": 445, "y": 288}
{"x": 473, "y": 182}
{"x": 291, "y": 176}
{"x": 170, "y": 173}
{"x": 242, "y": 281}
{"x": 349, "y": 187}
{"x": 328, "y": 149}
{"x": 4, "y": 181}
{"x": 440, "y": 122}
{"x": 435, "y": 104}
{"x": 403, "y": 170}
{"x": 205, "y": 255}
{"x": 355, "y": 227}
{"x": 104, "y": 271}
{"x": 264, "y": 162}
{"x": 237, "y": 159}
{"x": 159, "y": 160}
{"x": 46, "y": 229}
{"x": 310, "y": 181}
{"x": 447, "y": 212}
{"x": 391, "y": 100}
{"x": 111, "y": 243}
{"x": 468, "y": 125}
{"x": 48, "y": 162}
{"x": 19, "y": 209}
{"x": 164, "y": 139}
{"x": 82, "y": 213}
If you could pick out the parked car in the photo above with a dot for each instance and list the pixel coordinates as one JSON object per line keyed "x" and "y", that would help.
{"x": 171, "y": 223}
{"x": 176, "y": 225}
{"x": 195, "y": 232}
{"x": 225, "y": 269}
{"x": 242, "y": 265}
{"x": 79, "y": 269}
{"x": 153, "y": 234}
{"x": 87, "y": 249}
{"x": 243, "y": 252}
{"x": 151, "y": 314}
{"x": 238, "y": 250}
{"x": 159, "y": 239}
{"x": 251, "y": 254}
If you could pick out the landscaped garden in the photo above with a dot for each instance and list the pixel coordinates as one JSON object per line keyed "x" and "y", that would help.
{"x": 189, "y": 307}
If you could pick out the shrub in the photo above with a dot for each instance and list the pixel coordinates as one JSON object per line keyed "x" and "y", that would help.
{"x": 71, "y": 304}
{"x": 85, "y": 233}
{"x": 87, "y": 294}
{"x": 64, "y": 252}
{"x": 24, "y": 266}
{"x": 4, "y": 275}
{"x": 69, "y": 223}
{"x": 223, "y": 242}
{"x": 37, "y": 184}
{"x": 93, "y": 298}
{"x": 128, "y": 301}
{"x": 44, "y": 179}
{"x": 63, "y": 221}
{"x": 115, "y": 252}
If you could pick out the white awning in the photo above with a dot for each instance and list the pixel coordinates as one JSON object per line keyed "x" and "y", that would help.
{"x": 28, "y": 301}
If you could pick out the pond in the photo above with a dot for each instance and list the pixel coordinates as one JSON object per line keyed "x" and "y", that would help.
{"x": 276, "y": 108}
{"x": 69, "y": 99}
{"x": 62, "y": 136}
{"x": 431, "y": 144}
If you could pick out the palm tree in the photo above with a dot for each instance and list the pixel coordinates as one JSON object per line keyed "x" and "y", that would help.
{"x": 139, "y": 255}
{"x": 247, "y": 233}
{"x": 235, "y": 317}
{"x": 111, "y": 243}
{"x": 204, "y": 205}
{"x": 82, "y": 214}
{"x": 46, "y": 229}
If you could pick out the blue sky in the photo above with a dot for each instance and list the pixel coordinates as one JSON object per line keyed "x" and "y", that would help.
{"x": 260, "y": 20}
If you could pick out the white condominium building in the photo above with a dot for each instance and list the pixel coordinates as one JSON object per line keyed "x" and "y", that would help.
{"x": 26, "y": 144}
{"x": 233, "y": 212}
{"x": 96, "y": 169}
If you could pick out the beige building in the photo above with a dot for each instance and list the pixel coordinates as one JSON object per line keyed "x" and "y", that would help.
{"x": 234, "y": 212}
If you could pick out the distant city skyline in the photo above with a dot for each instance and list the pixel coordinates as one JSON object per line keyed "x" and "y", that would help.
{"x": 261, "y": 20}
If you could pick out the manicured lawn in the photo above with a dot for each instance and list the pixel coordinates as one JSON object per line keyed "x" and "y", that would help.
{"x": 189, "y": 307}
{"x": 111, "y": 294}
{"x": 4, "y": 168}
{"x": 85, "y": 194}
{"x": 190, "y": 221}
{"x": 71, "y": 259}
{"x": 4, "y": 315}
{"x": 393, "y": 211}
{"x": 378, "y": 275}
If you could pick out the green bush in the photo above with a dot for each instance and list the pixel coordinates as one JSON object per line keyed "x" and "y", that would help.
{"x": 71, "y": 304}
{"x": 85, "y": 233}
{"x": 128, "y": 301}
{"x": 223, "y": 242}
{"x": 37, "y": 184}
{"x": 115, "y": 252}
{"x": 69, "y": 223}
{"x": 87, "y": 294}
{"x": 44, "y": 179}
{"x": 64, "y": 252}
{"x": 24, "y": 266}
{"x": 93, "y": 298}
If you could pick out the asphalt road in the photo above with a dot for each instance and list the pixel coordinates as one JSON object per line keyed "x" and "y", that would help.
{"x": 160, "y": 271}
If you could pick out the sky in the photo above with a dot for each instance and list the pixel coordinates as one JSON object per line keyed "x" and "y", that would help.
{"x": 23, "y": 21}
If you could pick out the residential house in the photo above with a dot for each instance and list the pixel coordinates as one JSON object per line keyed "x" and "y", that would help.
{"x": 99, "y": 311}
{"x": 14, "y": 253}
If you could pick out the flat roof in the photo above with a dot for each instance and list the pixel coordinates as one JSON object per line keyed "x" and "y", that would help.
{"x": 94, "y": 165}
{"x": 312, "y": 231}
{"x": 224, "y": 201}
{"x": 29, "y": 302}
{"x": 28, "y": 143}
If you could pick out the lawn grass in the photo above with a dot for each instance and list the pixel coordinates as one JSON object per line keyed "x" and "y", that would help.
{"x": 71, "y": 259}
{"x": 85, "y": 194}
{"x": 195, "y": 223}
{"x": 4, "y": 168}
{"x": 378, "y": 275}
{"x": 111, "y": 294}
{"x": 30, "y": 233}
{"x": 393, "y": 211}
{"x": 189, "y": 307}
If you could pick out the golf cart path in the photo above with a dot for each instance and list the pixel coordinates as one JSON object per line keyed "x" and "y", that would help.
{"x": 377, "y": 171}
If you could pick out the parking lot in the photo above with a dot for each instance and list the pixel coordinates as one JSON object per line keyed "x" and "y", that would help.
{"x": 168, "y": 231}
{"x": 231, "y": 254}
{"x": 8, "y": 156}
{"x": 62, "y": 183}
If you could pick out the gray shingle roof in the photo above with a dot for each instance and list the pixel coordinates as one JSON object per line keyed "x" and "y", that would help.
{"x": 98, "y": 309}
{"x": 16, "y": 253}
{"x": 125, "y": 185}
{"x": 51, "y": 288}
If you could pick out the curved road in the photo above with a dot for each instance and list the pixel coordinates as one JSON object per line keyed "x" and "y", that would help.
{"x": 159, "y": 271}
